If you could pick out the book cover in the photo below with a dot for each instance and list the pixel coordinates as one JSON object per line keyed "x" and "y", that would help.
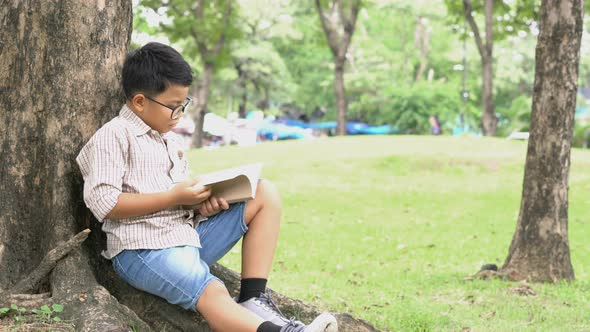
{"x": 233, "y": 184}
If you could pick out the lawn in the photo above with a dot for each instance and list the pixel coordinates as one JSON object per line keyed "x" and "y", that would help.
{"x": 387, "y": 227}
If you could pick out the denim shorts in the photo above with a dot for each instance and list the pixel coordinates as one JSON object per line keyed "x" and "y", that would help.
{"x": 181, "y": 274}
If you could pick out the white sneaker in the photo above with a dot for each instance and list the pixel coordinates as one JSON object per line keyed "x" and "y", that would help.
{"x": 323, "y": 323}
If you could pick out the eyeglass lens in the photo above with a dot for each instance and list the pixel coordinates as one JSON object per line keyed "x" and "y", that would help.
{"x": 177, "y": 112}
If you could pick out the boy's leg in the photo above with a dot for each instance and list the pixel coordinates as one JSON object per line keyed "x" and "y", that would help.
{"x": 263, "y": 217}
{"x": 258, "y": 221}
{"x": 223, "y": 313}
{"x": 179, "y": 276}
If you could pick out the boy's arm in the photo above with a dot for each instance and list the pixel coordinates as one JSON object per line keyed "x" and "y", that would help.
{"x": 103, "y": 161}
{"x": 134, "y": 205}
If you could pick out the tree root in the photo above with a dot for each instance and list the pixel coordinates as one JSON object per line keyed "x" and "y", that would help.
{"x": 161, "y": 315}
{"x": 32, "y": 281}
{"x": 25, "y": 300}
{"x": 91, "y": 307}
{"x": 91, "y": 311}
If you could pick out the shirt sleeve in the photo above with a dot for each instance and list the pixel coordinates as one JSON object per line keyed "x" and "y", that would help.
{"x": 103, "y": 162}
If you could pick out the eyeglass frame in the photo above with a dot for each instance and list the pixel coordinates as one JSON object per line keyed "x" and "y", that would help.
{"x": 182, "y": 107}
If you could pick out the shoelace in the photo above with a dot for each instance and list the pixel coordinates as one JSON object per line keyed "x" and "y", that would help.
{"x": 267, "y": 302}
{"x": 294, "y": 326}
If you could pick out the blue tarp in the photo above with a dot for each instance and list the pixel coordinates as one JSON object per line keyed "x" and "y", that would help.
{"x": 352, "y": 128}
{"x": 360, "y": 128}
{"x": 276, "y": 131}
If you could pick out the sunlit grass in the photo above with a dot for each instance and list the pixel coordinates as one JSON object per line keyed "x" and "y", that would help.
{"x": 386, "y": 228}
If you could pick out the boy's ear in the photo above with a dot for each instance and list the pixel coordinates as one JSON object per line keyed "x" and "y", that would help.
{"x": 138, "y": 101}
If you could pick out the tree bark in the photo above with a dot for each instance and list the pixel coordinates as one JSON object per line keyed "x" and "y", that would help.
{"x": 489, "y": 122}
{"x": 59, "y": 81}
{"x": 201, "y": 100}
{"x": 540, "y": 249}
{"x": 209, "y": 53}
{"x": 341, "y": 104}
{"x": 242, "y": 80}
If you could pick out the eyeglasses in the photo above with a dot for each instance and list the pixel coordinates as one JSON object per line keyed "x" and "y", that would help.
{"x": 176, "y": 111}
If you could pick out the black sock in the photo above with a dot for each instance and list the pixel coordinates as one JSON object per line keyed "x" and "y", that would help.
{"x": 268, "y": 327}
{"x": 251, "y": 287}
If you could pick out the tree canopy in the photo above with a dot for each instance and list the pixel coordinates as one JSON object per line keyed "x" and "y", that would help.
{"x": 404, "y": 63}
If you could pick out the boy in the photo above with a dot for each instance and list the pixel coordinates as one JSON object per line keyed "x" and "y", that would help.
{"x": 135, "y": 183}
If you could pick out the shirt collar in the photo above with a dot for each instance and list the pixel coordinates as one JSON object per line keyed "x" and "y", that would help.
{"x": 136, "y": 123}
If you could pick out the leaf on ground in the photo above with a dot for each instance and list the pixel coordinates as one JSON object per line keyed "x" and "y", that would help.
{"x": 523, "y": 289}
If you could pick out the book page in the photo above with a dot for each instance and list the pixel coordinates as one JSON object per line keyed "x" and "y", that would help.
{"x": 251, "y": 171}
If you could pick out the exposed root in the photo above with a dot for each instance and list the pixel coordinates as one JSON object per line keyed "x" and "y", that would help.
{"x": 32, "y": 281}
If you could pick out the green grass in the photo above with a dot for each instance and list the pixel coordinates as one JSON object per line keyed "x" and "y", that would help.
{"x": 386, "y": 228}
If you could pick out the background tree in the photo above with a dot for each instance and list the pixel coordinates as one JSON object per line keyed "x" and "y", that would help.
{"x": 262, "y": 74}
{"x": 540, "y": 250}
{"x": 489, "y": 122}
{"x": 391, "y": 80}
{"x": 204, "y": 30}
{"x": 338, "y": 19}
{"x": 500, "y": 20}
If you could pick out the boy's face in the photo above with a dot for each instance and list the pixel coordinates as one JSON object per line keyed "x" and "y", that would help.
{"x": 157, "y": 116}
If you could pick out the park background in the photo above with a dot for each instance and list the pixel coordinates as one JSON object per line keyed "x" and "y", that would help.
{"x": 390, "y": 228}
{"x": 393, "y": 229}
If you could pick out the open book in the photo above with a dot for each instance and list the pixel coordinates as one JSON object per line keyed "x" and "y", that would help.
{"x": 233, "y": 184}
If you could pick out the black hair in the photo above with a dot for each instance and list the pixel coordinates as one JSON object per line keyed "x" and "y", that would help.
{"x": 153, "y": 68}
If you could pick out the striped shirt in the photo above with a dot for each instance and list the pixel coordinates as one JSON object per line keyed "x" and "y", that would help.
{"x": 127, "y": 156}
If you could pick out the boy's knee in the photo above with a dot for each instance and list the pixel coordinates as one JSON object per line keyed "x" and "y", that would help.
{"x": 269, "y": 193}
{"x": 215, "y": 290}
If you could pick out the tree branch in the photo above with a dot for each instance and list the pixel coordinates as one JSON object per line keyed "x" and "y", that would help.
{"x": 468, "y": 9}
{"x": 200, "y": 9}
{"x": 349, "y": 26}
{"x": 331, "y": 34}
{"x": 489, "y": 13}
{"x": 217, "y": 48}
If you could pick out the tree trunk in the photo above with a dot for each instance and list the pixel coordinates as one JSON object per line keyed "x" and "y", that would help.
{"x": 339, "y": 26}
{"x": 201, "y": 100}
{"x": 264, "y": 104}
{"x": 489, "y": 122}
{"x": 540, "y": 250}
{"x": 341, "y": 105}
{"x": 422, "y": 43}
{"x": 243, "y": 101}
{"x": 59, "y": 81}
{"x": 242, "y": 84}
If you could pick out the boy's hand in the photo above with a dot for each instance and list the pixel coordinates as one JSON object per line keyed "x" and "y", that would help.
{"x": 190, "y": 193}
{"x": 212, "y": 206}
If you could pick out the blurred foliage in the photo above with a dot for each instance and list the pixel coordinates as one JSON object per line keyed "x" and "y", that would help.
{"x": 284, "y": 60}
{"x": 509, "y": 18}
{"x": 197, "y": 30}
{"x": 581, "y": 137}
